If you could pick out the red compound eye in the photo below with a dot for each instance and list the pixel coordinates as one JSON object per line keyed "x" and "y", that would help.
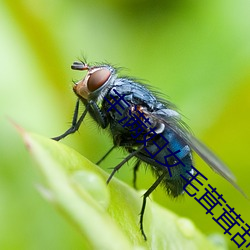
{"x": 97, "y": 79}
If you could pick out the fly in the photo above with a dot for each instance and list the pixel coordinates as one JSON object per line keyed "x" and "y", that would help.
{"x": 144, "y": 125}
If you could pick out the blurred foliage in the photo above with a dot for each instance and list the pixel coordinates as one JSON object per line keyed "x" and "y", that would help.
{"x": 102, "y": 213}
{"x": 197, "y": 53}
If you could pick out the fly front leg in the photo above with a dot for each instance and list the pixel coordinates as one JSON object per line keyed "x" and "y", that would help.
{"x": 75, "y": 123}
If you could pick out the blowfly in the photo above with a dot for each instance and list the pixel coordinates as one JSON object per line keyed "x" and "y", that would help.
{"x": 148, "y": 127}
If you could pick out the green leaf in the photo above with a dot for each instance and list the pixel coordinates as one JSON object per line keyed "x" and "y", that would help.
{"x": 107, "y": 215}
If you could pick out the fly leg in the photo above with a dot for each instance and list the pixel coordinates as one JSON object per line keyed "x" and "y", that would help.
{"x": 97, "y": 114}
{"x": 135, "y": 169}
{"x": 116, "y": 168}
{"x": 75, "y": 124}
{"x": 145, "y": 196}
{"x": 105, "y": 155}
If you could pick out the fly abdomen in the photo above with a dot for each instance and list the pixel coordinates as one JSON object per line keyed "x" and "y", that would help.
{"x": 166, "y": 153}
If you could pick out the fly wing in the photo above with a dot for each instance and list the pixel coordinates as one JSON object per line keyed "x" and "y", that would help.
{"x": 177, "y": 126}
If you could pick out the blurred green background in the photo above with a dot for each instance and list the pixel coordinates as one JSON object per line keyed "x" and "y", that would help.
{"x": 195, "y": 52}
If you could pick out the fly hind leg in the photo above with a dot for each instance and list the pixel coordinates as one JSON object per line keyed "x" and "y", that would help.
{"x": 145, "y": 196}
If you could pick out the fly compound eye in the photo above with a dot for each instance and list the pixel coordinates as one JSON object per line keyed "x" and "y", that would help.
{"x": 97, "y": 79}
